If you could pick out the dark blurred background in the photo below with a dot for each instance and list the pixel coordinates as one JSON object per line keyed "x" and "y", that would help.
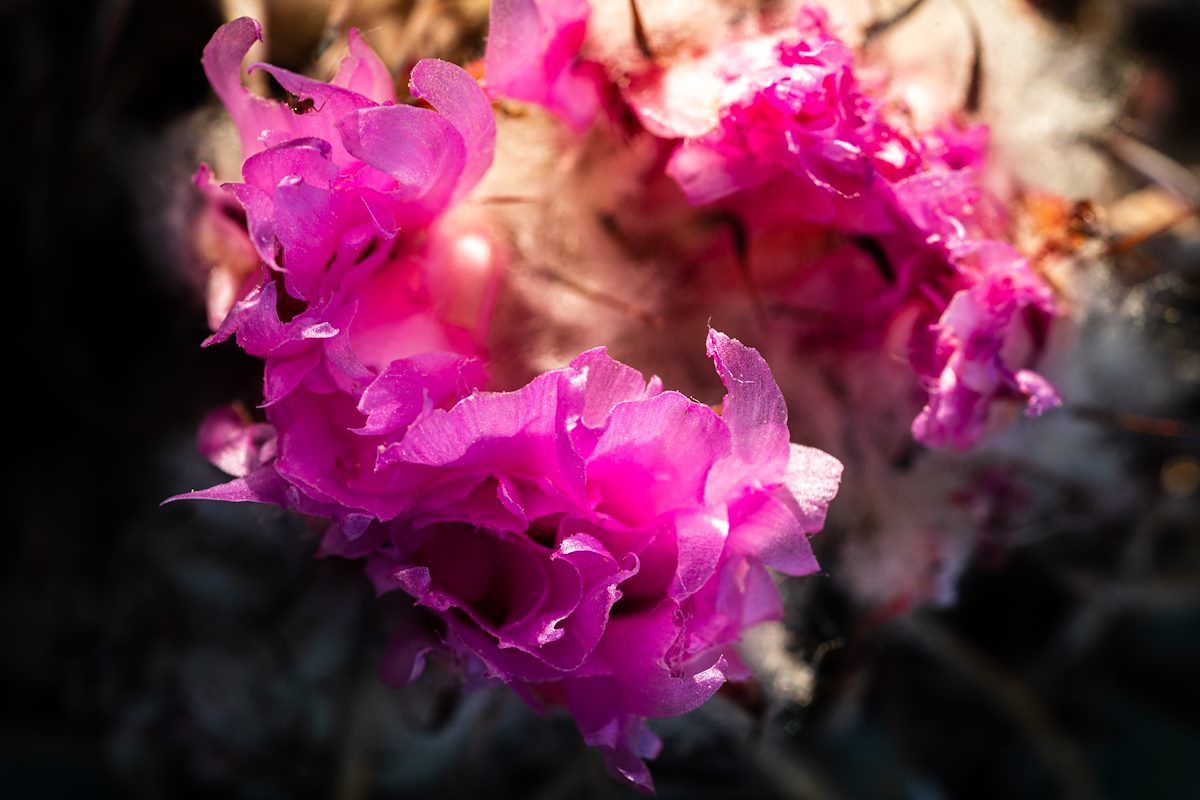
{"x": 200, "y": 651}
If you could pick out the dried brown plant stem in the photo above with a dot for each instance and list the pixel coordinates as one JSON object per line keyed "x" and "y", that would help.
{"x": 1134, "y": 240}
{"x": 881, "y": 26}
{"x": 1154, "y": 165}
{"x": 1137, "y": 423}
{"x": 639, "y": 32}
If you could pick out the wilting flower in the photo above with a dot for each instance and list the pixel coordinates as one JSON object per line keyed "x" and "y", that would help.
{"x": 597, "y": 542}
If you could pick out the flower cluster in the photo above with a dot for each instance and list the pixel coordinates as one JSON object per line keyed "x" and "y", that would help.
{"x": 783, "y": 111}
{"x": 593, "y": 540}
{"x": 777, "y": 127}
{"x": 776, "y": 130}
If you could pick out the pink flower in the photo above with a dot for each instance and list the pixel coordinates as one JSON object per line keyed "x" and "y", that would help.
{"x": 348, "y": 176}
{"x": 405, "y": 152}
{"x": 782, "y": 111}
{"x": 597, "y": 542}
{"x": 859, "y": 223}
{"x": 373, "y": 289}
{"x": 594, "y": 541}
{"x": 533, "y": 55}
{"x": 992, "y": 316}
{"x": 985, "y": 333}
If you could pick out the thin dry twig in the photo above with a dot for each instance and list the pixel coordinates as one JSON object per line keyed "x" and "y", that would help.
{"x": 881, "y": 26}
{"x": 1154, "y": 165}
{"x": 1137, "y": 423}
{"x": 639, "y": 32}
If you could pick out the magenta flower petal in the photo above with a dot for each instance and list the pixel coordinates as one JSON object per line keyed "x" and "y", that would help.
{"x": 611, "y": 576}
{"x": 328, "y": 188}
{"x": 458, "y": 98}
{"x": 706, "y": 175}
{"x": 510, "y": 430}
{"x": 362, "y": 72}
{"x": 302, "y": 211}
{"x": 533, "y": 55}
{"x": 639, "y": 473}
{"x": 417, "y": 147}
{"x": 260, "y": 220}
{"x": 981, "y": 343}
{"x": 576, "y": 528}
{"x": 950, "y": 207}
{"x": 776, "y": 127}
{"x": 656, "y": 680}
{"x": 300, "y": 160}
{"x": 589, "y": 527}
{"x": 234, "y": 445}
{"x": 222, "y": 61}
{"x": 773, "y": 528}
{"x": 264, "y": 485}
{"x": 769, "y": 529}
{"x": 285, "y": 371}
{"x": 607, "y": 383}
{"x": 328, "y": 99}
{"x": 411, "y": 387}
{"x": 755, "y": 412}
{"x": 699, "y": 545}
{"x": 780, "y": 107}
{"x": 625, "y": 740}
{"x": 812, "y": 479}
{"x": 511, "y": 62}
{"x": 1042, "y": 396}
{"x": 604, "y": 383}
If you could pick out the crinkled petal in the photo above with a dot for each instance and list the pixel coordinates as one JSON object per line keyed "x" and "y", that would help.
{"x": 756, "y": 414}
{"x": 223, "y": 56}
{"x": 637, "y": 650}
{"x": 422, "y": 150}
{"x": 768, "y": 528}
{"x": 812, "y": 479}
{"x": 1042, "y": 395}
{"x": 233, "y": 444}
{"x": 260, "y": 219}
{"x": 329, "y": 100}
{"x": 605, "y": 383}
{"x": 700, "y": 541}
{"x": 305, "y": 235}
{"x": 306, "y": 160}
{"x": 411, "y": 386}
{"x": 706, "y": 175}
{"x": 513, "y": 433}
{"x": 654, "y": 457}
